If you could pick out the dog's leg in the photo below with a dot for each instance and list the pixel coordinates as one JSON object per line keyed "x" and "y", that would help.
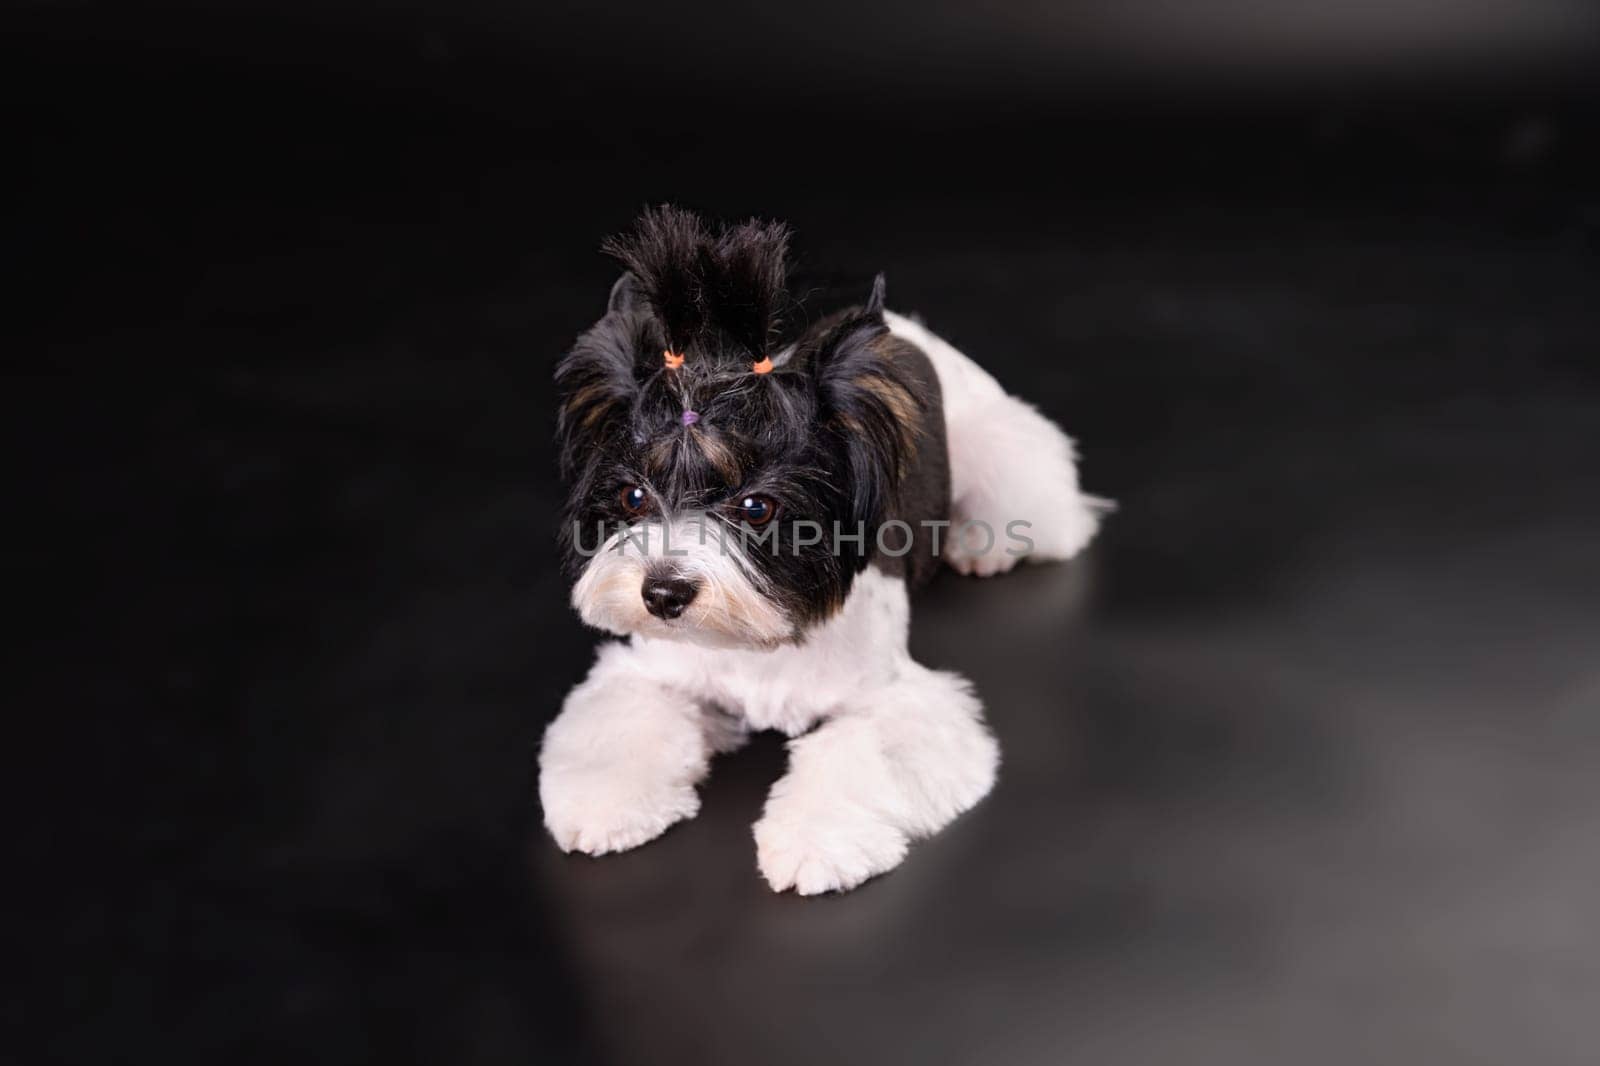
{"x": 899, "y": 762}
{"x": 620, "y": 763}
{"x": 1013, "y": 475}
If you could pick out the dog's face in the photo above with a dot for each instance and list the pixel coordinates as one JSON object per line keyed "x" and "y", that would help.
{"x": 711, "y": 460}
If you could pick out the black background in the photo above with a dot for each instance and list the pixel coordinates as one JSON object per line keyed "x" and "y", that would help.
{"x": 1302, "y": 758}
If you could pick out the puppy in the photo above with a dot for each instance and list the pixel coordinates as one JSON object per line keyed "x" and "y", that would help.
{"x": 749, "y": 505}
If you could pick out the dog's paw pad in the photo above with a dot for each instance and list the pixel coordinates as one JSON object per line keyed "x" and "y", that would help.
{"x": 597, "y": 815}
{"x": 825, "y": 854}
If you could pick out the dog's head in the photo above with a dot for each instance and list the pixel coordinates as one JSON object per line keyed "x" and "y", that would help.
{"x": 719, "y": 463}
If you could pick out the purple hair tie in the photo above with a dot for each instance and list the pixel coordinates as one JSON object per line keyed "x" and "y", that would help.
{"x": 690, "y": 417}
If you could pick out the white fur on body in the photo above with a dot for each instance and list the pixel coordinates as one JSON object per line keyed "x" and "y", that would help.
{"x": 1008, "y": 463}
{"x": 885, "y": 750}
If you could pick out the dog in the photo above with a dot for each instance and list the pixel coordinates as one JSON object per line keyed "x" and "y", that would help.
{"x": 749, "y": 505}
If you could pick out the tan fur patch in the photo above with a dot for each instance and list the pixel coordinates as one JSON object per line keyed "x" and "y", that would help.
{"x": 589, "y": 404}
{"x": 900, "y": 404}
{"x": 721, "y": 457}
{"x": 659, "y": 457}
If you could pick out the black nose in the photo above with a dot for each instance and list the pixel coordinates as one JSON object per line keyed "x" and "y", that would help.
{"x": 667, "y": 597}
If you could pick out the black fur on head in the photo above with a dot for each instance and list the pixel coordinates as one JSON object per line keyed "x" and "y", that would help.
{"x": 720, "y": 291}
{"x": 828, "y": 434}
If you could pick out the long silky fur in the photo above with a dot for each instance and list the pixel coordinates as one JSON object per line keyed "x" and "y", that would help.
{"x": 663, "y": 252}
{"x": 744, "y": 274}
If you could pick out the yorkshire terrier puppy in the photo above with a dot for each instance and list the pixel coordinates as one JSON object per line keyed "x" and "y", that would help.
{"x": 750, "y": 503}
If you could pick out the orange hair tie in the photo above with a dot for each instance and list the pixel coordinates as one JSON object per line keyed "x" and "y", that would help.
{"x": 673, "y": 360}
{"x": 763, "y": 367}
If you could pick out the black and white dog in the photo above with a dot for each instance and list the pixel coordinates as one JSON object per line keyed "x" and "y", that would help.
{"x": 748, "y": 509}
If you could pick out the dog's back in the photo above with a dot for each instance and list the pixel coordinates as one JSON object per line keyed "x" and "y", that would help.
{"x": 1014, "y": 489}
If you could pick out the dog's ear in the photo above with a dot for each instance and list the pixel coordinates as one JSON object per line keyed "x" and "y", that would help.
{"x": 875, "y": 300}
{"x": 869, "y": 403}
{"x": 597, "y": 385}
{"x": 625, "y": 297}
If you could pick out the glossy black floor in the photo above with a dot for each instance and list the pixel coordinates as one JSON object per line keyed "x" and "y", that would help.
{"x": 1302, "y": 759}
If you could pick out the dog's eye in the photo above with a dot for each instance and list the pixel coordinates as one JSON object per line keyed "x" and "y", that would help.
{"x": 634, "y": 499}
{"x": 757, "y": 510}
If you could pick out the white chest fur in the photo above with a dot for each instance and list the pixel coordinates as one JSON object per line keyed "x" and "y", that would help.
{"x": 790, "y": 688}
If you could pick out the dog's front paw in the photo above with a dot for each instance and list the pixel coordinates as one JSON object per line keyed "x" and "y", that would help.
{"x": 827, "y": 850}
{"x": 979, "y": 563}
{"x": 601, "y": 811}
